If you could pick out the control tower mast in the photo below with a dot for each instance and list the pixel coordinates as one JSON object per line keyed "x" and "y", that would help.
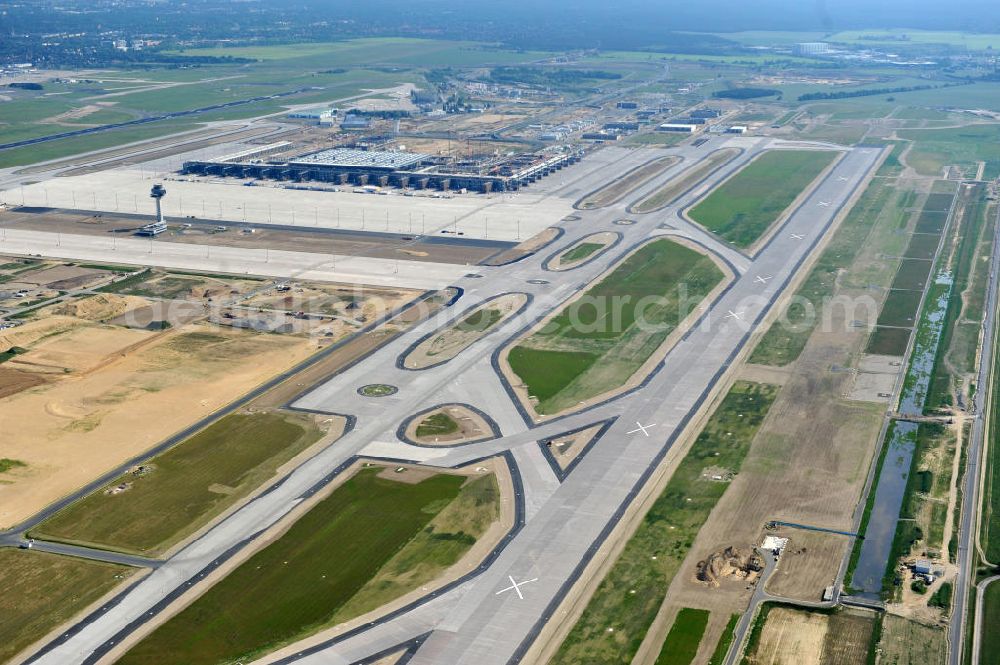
{"x": 158, "y": 192}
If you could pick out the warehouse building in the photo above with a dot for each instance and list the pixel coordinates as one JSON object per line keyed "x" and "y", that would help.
{"x": 677, "y": 127}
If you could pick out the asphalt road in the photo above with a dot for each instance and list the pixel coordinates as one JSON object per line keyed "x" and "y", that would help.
{"x": 565, "y": 522}
{"x": 968, "y": 531}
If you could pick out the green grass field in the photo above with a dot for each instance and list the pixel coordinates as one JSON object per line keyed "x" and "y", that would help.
{"x": 931, "y": 221}
{"x": 597, "y": 342}
{"x": 442, "y": 543}
{"x": 743, "y": 208}
{"x": 685, "y": 635}
{"x": 888, "y": 341}
{"x": 186, "y": 487}
{"x": 41, "y": 591}
{"x": 297, "y": 584}
{"x": 912, "y": 274}
{"x": 922, "y": 246}
{"x": 989, "y": 536}
{"x": 381, "y": 50}
{"x": 989, "y": 653}
{"x": 580, "y": 252}
{"x": 728, "y": 635}
{"x": 872, "y": 219}
{"x": 964, "y": 146}
{"x": 633, "y": 590}
{"x": 437, "y": 424}
{"x": 900, "y": 309}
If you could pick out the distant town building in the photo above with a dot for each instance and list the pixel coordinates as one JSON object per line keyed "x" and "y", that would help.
{"x": 628, "y": 105}
{"x": 736, "y": 129}
{"x": 706, "y": 113}
{"x": 622, "y": 126}
{"x": 811, "y": 48}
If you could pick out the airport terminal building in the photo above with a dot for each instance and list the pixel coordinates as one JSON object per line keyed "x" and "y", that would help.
{"x": 383, "y": 168}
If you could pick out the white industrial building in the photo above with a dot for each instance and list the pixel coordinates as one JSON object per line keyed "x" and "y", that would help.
{"x": 677, "y": 127}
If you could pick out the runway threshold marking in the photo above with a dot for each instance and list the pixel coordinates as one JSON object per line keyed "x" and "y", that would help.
{"x": 516, "y": 586}
{"x": 641, "y": 428}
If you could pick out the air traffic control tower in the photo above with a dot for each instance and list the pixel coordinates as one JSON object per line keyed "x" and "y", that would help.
{"x": 159, "y": 226}
{"x": 157, "y": 193}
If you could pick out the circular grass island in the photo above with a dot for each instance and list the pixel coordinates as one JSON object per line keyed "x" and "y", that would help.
{"x": 377, "y": 390}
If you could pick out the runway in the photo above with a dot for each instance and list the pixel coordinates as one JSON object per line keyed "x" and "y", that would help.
{"x": 565, "y": 522}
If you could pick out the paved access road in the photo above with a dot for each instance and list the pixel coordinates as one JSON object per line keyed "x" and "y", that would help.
{"x": 968, "y": 531}
{"x": 563, "y": 523}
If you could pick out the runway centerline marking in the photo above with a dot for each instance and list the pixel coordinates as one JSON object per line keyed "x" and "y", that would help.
{"x": 516, "y": 586}
{"x": 641, "y": 428}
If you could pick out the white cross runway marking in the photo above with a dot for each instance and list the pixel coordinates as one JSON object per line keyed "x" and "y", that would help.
{"x": 516, "y": 586}
{"x": 843, "y": 178}
{"x": 733, "y": 315}
{"x": 641, "y": 428}
{"x": 824, "y": 204}
{"x": 797, "y": 236}
{"x": 762, "y": 280}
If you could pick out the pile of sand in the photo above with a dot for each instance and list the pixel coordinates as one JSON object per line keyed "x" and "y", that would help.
{"x": 730, "y": 562}
{"x": 102, "y": 307}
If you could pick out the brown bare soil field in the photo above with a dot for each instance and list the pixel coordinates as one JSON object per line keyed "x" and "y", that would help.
{"x": 332, "y": 299}
{"x": 848, "y": 637}
{"x": 906, "y": 642}
{"x": 116, "y": 392}
{"x": 804, "y": 571}
{"x": 791, "y": 637}
{"x": 100, "y": 307}
{"x": 79, "y": 349}
{"x": 13, "y": 381}
{"x": 807, "y": 464}
{"x": 62, "y": 277}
